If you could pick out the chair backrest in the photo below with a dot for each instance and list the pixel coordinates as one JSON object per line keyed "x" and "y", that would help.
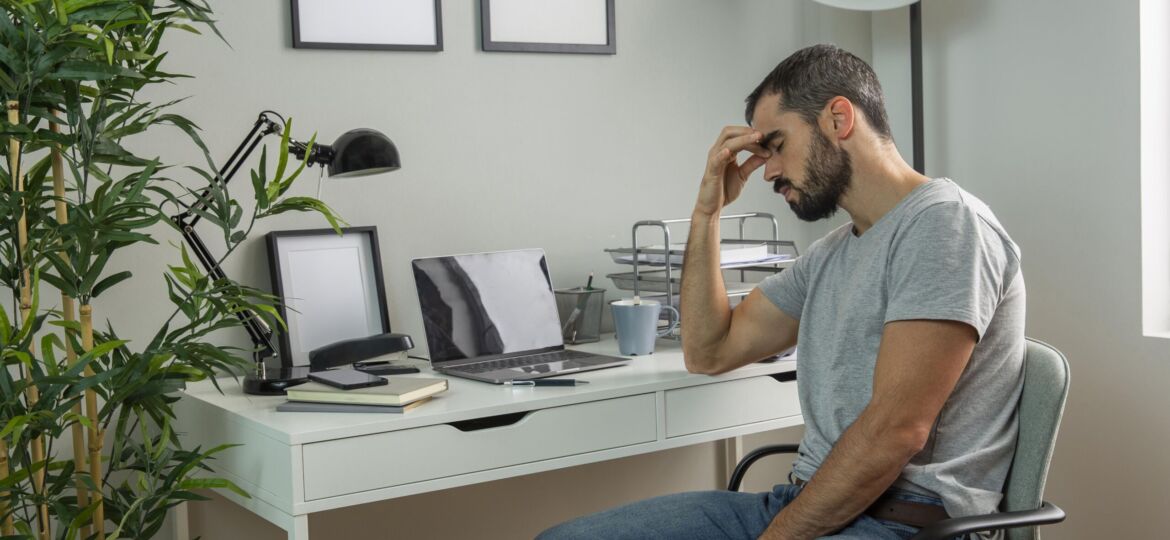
{"x": 1041, "y": 407}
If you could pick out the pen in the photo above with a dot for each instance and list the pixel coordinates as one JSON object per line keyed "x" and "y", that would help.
{"x": 547, "y": 382}
{"x": 569, "y": 322}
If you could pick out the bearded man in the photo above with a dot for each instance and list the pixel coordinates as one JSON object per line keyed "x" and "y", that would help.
{"x": 909, "y": 321}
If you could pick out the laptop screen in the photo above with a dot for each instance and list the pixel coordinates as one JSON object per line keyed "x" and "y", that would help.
{"x": 487, "y": 304}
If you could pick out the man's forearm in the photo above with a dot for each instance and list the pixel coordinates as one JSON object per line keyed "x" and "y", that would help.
{"x": 863, "y": 464}
{"x": 706, "y": 314}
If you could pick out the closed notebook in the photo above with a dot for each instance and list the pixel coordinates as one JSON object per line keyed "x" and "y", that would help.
{"x": 306, "y": 406}
{"x": 399, "y": 391}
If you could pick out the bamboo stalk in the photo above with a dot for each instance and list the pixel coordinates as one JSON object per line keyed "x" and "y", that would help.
{"x": 69, "y": 312}
{"x": 6, "y": 527}
{"x": 32, "y": 394}
{"x": 13, "y": 160}
{"x": 95, "y": 433}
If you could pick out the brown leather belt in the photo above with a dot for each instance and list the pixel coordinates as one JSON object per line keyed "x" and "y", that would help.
{"x": 914, "y": 514}
{"x": 890, "y": 508}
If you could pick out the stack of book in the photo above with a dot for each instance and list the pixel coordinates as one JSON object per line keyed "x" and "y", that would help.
{"x": 400, "y": 395}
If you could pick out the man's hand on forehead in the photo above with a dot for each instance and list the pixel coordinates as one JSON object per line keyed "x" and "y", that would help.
{"x": 736, "y": 139}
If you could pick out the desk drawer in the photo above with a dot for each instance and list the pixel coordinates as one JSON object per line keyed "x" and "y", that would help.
{"x": 727, "y": 404}
{"x": 351, "y": 465}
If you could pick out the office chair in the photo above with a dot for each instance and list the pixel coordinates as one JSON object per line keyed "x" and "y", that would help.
{"x": 1040, "y": 409}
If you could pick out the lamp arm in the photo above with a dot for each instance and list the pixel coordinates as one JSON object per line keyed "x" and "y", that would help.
{"x": 264, "y": 126}
{"x": 186, "y": 220}
{"x": 257, "y": 330}
{"x": 321, "y": 154}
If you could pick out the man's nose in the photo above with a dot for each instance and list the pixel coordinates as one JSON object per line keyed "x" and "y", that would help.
{"x": 771, "y": 170}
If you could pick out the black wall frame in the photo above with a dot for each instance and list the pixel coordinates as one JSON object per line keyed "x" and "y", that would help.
{"x": 298, "y": 43}
{"x": 610, "y": 46}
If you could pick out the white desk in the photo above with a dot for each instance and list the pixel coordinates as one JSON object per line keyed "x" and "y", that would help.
{"x": 295, "y": 464}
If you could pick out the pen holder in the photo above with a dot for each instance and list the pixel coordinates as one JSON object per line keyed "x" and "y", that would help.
{"x": 580, "y": 312}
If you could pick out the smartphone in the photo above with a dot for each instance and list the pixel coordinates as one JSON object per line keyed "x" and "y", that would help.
{"x": 347, "y": 379}
{"x": 385, "y": 368}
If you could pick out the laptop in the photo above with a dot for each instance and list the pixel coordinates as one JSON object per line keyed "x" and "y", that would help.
{"x": 493, "y": 317}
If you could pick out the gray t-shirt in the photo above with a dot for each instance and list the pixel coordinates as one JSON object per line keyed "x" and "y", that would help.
{"x": 940, "y": 254}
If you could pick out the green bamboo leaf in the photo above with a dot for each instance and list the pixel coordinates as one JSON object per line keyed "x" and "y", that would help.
{"x": 237, "y": 213}
{"x": 62, "y": 15}
{"x": 262, "y": 169}
{"x": 297, "y": 173}
{"x": 110, "y": 282}
{"x": 73, "y": 326}
{"x": 48, "y": 345}
{"x": 189, "y": 264}
{"x": 93, "y": 271}
{"x": 84, "y": 29}
{"x": 74, "y": 418}
{"x": 188, "y": 127}
{"x": 142, "y": 181}
{"x": 15, "y": 425}
{"x": 308, "y": 204}
{"x": 282, "y": 160}
{"x": 187, "y": 28}
{"x": 179, "y": 300}
{"x": 7, "y": 84}
{"x": 260, "y": 192}
{"x": 212, "y": 483}
{"x": 128, "y": 22}
{"x": 271, "y": 311}
{"x": 82, "y": 70}
{"x": 5, "y": 326}
{"x": 102, "y": 349}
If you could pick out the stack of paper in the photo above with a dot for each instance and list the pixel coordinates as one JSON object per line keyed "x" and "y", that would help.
{"x": 733, "y": 253}
{"x": 399, "y": 395}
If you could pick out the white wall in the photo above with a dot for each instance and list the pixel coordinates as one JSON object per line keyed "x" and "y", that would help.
{"x": 499, "y": 151}
{"x": 1033, "y": 106}
{"x": 891, "y": 60}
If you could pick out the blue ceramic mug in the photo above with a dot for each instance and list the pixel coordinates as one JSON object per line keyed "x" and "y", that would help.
{"x": 636, "y": 324}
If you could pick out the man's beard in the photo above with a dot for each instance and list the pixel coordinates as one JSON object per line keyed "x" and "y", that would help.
{"x": 827, "y": 177}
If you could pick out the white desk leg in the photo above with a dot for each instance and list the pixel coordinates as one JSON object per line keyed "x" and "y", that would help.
{"x": 730, "y": 451}
{"x": 300, "y": 528}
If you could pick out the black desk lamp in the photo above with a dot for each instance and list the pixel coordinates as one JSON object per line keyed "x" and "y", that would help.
{"x": 358, "y": 152}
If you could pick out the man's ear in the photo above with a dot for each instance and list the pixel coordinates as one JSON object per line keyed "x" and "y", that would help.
{"x": 838, "y": 119}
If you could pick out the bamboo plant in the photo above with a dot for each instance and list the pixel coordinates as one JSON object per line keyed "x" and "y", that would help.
{"x": 72, "y": 196}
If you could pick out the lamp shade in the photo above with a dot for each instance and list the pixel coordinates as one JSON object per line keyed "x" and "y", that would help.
{"x": 866, "y": 5}
{"x": 361, "y": 152}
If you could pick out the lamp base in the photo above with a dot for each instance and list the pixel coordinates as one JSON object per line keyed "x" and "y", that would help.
{"x": 275, "y": 380}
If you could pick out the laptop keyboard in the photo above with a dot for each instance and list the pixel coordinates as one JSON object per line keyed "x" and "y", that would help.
{"x": 505, "y": 363}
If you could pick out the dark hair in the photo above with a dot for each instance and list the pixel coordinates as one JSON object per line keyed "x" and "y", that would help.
{"x": 810, "y": 77}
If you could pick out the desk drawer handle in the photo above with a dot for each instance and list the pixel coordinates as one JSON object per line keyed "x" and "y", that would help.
{"x": 488, "y": 422}
{"x": 787, "y": 376}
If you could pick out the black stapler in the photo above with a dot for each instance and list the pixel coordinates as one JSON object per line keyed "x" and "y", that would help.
{"x": 355, "y": 352}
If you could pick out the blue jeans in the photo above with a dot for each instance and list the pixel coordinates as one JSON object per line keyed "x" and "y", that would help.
{"x": 715, "y": 514}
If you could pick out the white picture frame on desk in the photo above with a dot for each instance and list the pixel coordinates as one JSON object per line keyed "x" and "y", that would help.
{"x": 329, "y": 288}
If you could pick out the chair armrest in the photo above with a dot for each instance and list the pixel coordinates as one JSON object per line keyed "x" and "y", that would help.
{"x": 753, "y": 456}
{"x": 949, "y": 528}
